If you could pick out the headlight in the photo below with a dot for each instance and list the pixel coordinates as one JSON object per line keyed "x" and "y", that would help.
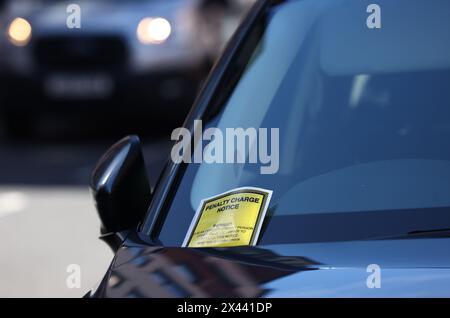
{"x": 153, "y": 30}
{"x": 19, "y": 32}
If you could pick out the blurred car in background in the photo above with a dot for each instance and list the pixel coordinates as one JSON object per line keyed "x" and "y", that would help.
{"x": 150, "y": 55}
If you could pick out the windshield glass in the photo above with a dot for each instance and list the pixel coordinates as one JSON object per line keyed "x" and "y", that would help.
{"x": 363, "y": 112}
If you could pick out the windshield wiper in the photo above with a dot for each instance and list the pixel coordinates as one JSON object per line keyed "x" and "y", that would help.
{"x": 432, "y": 233}
{"x": 435, "y": 232}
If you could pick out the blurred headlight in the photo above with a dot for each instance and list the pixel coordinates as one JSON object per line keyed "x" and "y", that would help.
{"x": 153, "y": 30}
{"x": 19, "y": 32}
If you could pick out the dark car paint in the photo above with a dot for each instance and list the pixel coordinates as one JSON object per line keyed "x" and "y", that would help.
{"x": 409, "y": 268}
{"x": 415, "y": 267}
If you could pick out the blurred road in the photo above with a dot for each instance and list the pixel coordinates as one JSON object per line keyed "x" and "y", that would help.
{"x": 47, "y": 219}
{"x": 43, "y": 231}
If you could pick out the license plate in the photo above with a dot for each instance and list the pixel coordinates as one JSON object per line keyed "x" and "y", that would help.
{"x": 79, "y": 86}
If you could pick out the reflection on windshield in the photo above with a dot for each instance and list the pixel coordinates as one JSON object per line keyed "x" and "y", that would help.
{"x": 364, "y": 117}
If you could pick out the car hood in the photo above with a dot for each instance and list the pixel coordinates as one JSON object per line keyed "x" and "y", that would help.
{"x": 407, "y": 268}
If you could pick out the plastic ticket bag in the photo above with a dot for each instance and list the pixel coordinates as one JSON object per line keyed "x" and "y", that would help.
{"x": 233, "y": 218}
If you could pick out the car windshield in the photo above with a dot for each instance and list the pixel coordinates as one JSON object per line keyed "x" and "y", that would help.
{"x": 361, "y": 99}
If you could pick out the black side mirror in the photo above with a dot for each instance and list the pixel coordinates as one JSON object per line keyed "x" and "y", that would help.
{"x": 121, "y": 190}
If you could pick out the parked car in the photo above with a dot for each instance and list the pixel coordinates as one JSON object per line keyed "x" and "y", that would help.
{"x": 150, "y": 55}
{"x": 364, "y": 174}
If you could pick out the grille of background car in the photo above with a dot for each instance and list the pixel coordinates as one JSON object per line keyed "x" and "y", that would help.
{"x": 90, "y": 52}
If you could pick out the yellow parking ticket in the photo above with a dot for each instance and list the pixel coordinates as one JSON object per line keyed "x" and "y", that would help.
{"x": 233, "y": 218}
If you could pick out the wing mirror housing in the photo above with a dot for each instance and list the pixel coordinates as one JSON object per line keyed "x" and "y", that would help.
{"x": 121, "y": 190}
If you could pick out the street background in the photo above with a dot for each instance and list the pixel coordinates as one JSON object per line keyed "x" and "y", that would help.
{"x": 58, "y": 116}
{"x": 47, "y": 217}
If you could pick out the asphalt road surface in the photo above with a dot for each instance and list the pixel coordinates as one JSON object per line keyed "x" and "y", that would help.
{"x": 47, "y": 218}
{"x": 43, "y": 231}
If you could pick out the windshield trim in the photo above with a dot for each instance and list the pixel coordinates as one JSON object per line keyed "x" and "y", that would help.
{"x": 210, "y": 95}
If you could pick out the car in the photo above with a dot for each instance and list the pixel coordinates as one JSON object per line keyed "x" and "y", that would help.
{"x": 359, "y": 204}
{"x": 93, "y": 57}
